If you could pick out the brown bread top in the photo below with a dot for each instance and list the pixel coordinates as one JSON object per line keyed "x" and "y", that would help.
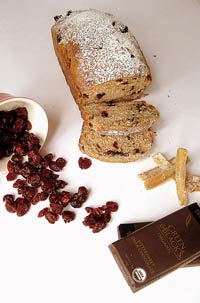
{"x": 105, "y": 48}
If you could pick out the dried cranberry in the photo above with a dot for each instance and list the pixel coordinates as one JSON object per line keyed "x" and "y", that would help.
{"x": 95, "y": 221}
{"x": 13, "y": 124}
{"x": 42, "y": 196}
{"x": 100, "y": 95}
{"x": 79, "y": 198}
{"x": 26, "y": 170}
{"x": 82, "y": 190}
{"x": 56, "y": 18}
{"x": 98, "y": 227}
{"x": 23, "y": 206}
{"x": 89, "y": 210}
{"x": 61, "y": 162}
{"x": 11, "y": 176}
{"x": 19, "y": 149}
{"x": 53, "y": 166}
{"x": 112, "y": 206}
{"x": 18, "y": 166}
{"x": 76, "y": 201}
{"x": 42, "y": 212}
{"x": 69, "y": 13}
{"x": 8, "y": 198}
{"x": 19, "y": 183}
{"x": 104, "y": 114}
{"x": 22, "y": 189}
{"x": 11, "y": 207}
{"x": 34, "y": 180}
{"x": 30, "y": 142}
{"x": 59, "y": 38}
{"x": 99, "y": 217}
{"x": 49, "y": 156}
{"x": 22, "y": 112}
{"x": 51, "y": 217}
{"x": 10, "y": 167}
{"x": 59, "y": 184}
{"x": 45, "y": 163}
{"x": 29, "y": 192}
{"x": 34, "y": 157}
{"x": 47, "y": 160}
{"x": 65, "y": 197}
{"x": 115, "y": 145}
{"x": 68, "y": 216}
{"x": 29, "y": 125}
{"x": 123, "y": 28}
{"x": 16, "y": 158}
{"x": 54, "y": 197}
{"x": 84, "y": 163}
{"x": 107, "y": 216}
{"x": 46, "y": 174}
{"x": 56, "y": 208}
{"x": 47, "y": 186}
{"x": 19, "y": 126}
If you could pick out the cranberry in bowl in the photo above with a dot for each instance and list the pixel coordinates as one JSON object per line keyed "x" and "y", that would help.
{"x": 15, "y": 112}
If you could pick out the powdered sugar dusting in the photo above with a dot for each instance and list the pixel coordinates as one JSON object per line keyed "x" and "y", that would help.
{"x": 121, "y": 132}
{"x": 107, "y": 48}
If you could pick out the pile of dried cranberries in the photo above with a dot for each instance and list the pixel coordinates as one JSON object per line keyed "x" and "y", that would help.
{"x": 99, "y": 217}
{"x": 13, "y": 125}
{"x": 36, "y": 176}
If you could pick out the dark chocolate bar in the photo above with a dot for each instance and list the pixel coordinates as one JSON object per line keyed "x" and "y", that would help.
{"x": 175, "y": 237}
{"x": 126, "y": 229}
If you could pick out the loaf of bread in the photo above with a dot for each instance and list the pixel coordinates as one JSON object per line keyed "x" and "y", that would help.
{"x": 99, "y": 56}
{"x": 106, "y": 72}
{"x": 115, "y": 117}
{"x": 115, "y": 148}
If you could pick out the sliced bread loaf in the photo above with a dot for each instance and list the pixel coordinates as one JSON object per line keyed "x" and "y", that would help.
{"x": 115, "y": 148}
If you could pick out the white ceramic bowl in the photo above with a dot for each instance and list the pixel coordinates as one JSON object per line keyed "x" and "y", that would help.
{"x": 36, "y": 116}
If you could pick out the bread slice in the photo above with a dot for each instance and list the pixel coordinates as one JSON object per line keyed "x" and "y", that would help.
{"x": 131, "y": 116}
{"x": 115, "y": 148}
{"x": 100, "y": 58}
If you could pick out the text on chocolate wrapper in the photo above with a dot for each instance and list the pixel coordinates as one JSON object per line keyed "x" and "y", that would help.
{"x": 173, "y": 239}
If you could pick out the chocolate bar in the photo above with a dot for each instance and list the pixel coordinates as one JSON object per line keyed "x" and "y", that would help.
{"x": 159, "y": 248}
{"x": 126, "y": 229}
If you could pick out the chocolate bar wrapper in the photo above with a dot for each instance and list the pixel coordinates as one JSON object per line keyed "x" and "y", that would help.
{"x": 126, "y": 229}
{"x": 175, "y": 237}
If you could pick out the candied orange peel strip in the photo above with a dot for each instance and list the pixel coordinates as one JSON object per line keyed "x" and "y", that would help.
{"x": 162, "y": 162}
{"x": 159, "y": 178}
{"x": 154, "y": 171}
{"x": 180, "y": 175}
{"x": 192, "y": 182}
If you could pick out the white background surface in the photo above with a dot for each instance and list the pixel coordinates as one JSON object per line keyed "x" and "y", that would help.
{"x": 40, "y": 262}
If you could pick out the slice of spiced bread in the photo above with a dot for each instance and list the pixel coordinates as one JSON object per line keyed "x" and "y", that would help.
{"x": 116, "y": 117}
{"x": 115, "y": 148}
{"x": 99, "y": 56}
